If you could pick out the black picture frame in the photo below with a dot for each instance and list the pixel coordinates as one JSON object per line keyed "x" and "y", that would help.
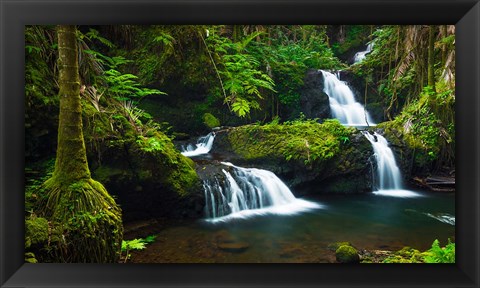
{"x": 14, "y": 14}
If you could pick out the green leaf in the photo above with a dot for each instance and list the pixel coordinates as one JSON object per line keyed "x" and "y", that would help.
{"x": 241, "y": 107}
{"x": 135, "y": 244}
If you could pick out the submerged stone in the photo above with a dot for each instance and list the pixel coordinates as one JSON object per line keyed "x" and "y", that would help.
{"x": 233, "y": 246}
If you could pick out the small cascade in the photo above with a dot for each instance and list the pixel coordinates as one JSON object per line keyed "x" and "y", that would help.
{"x": 246, "y": 192}
{"x": 359, "y": 56}
{"x": 389, "y": 179}
{"x": 342, "y": 102}
{"x": 203, "y": 146}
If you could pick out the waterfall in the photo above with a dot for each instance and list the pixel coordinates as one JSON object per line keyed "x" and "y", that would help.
{"x": 245, "y": 192}
{"x": 388, "y": 174}
{"x": 342, "y": 102}
{"x": 203, "y": 146}
{"x": 359, "y": 56}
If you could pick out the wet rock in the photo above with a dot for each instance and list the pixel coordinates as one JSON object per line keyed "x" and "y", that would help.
{"x": 223, "y": 236}
{"x": 292, "y": 252}
{"x": 347, "y": 254}
{"x": 233, "y": 246}
{"x": 313, "y": 101}
{"x": 349, "y": 171}
{"x": 336, "y": 245}
{"x": 149, "y": 183}
{"x": 228, "y": 242}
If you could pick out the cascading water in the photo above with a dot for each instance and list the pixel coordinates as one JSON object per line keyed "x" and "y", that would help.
{"x": 359, "y": 56}
{"x": 351, "y": 113}
{"x": 342, "y": 102}
{"x": 203, "y": 146}
{"x": 388, "y": 174}
{"x": 247, "y": 192}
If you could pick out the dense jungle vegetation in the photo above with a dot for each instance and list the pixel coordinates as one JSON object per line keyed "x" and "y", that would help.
{"x": 111, "y": 103}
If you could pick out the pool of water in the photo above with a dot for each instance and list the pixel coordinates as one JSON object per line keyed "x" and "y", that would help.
{"x": 367, "y": 221}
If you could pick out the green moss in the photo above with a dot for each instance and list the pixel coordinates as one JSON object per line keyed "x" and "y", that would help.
{"x": 426, "y": 126}
{"x": 406, "y": 255}
{"x": 435, "y": 254}
{"x": 183, "y": 179}
{"x": 306, "y": 141}
{"x": 173, "y": 170}
{"x": 210, "y": 121}
{"x": 336, "y": 245}
{"x": 36, "y": 231}
{"x": 347, "y": 254}
{"x": 30, "y": 257}
{"x": 88, "y": 219}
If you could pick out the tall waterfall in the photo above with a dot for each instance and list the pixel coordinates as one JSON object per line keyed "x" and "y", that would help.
{"x": 203, "y": 146}
{"x": 343, "y": 104}
{"x": 389, "y": 179}
{"x": 247, "y": 192}
{"x": 359, "y": 56}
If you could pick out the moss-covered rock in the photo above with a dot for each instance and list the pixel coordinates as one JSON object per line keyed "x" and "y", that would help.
{"x": 210, "y": 121}
{"x": 139, "y": 165}
{"x": 406, "y": 255}
{"x": 336, "y": 245}
{"x": 36, "y": 231}
{"x": 347, "y": 254}
{"x": 150, "y": 178}
{"x": 309, "y": 156}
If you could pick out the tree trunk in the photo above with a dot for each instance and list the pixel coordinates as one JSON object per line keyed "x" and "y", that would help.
{"x": 71, "y": 163}
{"x": 431, "y": 57}
{"x": 79, "y": 208}
{"x": 444, "y": 45}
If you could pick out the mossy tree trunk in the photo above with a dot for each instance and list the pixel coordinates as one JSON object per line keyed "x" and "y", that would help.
{"x": 79, "y": 207}
{"x": 431, "y": 57}
{"x": 71, "y": 163}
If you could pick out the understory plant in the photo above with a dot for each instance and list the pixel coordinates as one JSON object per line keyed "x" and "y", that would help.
{"x": 135, "y": 244}
{"x": 436, "y": 254}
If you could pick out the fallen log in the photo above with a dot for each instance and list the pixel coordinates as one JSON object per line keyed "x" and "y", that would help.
{"x": 433, "y": 183}
{"x": 440, "y": 181}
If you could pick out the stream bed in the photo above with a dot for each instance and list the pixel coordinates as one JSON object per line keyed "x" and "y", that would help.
{"x": 373, "y": 222}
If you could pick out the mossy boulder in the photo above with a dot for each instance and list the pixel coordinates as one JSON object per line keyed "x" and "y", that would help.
{"x": 36, "y": 231}
{"x": 309, "y": 156}
{"x": 210, "y": 121}
{"x": 347, "y": 254}
{"x": 336, "y": 245}
{"x": 150, "y": 178}
{"x": 140, "y": 166}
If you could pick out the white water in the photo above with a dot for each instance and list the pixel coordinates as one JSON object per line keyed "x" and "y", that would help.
{"x": 342, "y": 102}
{"x": 248, "y": 192}
{"x": 443, "y": 217}
{"x": 359, "y": 56}
{"x": 203, "y": 146}
{"x": 389, "y": 179}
